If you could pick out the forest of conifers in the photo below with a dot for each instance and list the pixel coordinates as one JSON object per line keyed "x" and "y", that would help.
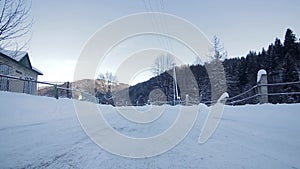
{"x": 281, "y": 61}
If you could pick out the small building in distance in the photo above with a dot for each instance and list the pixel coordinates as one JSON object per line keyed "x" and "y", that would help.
{"x": 17, "y": 64}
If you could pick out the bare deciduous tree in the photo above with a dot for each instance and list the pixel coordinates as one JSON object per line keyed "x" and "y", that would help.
{"x": 163, "y": 63}
{"x": 109, "y": 79}
{"x": 14, "y": 24}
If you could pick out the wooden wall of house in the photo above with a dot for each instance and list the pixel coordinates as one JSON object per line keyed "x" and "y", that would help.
{"x": 17, "y": 70}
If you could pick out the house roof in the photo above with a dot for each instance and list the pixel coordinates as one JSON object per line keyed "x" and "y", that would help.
{"x": 21, "y": 58}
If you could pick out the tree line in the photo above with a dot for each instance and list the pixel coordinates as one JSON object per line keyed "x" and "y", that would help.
{"x": 205, "y": 82}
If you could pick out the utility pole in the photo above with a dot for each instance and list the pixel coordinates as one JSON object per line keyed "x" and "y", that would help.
{"x": 175, "y": 89}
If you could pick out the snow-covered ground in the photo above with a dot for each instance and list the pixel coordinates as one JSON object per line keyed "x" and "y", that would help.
{"x": 41, "y": 132}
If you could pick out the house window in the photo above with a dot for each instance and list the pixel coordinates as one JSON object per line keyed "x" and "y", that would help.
{"x": 18, "y": 72}
{"x": 29, "y": 86}
{"x": 4, "y": 82}
{"x": 5, "y": 69}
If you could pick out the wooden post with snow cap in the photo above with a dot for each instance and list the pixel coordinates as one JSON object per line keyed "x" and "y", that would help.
{"x": 55, "y": 91}
{"x": 187, "y": 100}
{"x": 262, "y": 81}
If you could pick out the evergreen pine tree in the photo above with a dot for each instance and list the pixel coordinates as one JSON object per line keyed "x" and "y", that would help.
{"x": 291, "y": 75}
{"x": 290, "y": 41}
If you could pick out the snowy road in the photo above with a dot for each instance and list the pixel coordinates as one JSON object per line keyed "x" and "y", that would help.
{"x": 40, "y": 132}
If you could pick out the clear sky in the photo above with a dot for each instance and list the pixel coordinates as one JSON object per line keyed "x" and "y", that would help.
{"x": 62, "y": 27}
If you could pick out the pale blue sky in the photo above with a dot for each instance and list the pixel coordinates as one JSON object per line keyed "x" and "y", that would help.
{"x": 62, "y": 27}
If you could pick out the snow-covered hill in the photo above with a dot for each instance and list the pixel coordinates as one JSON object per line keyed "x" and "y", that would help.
{"x": 41, "y": 132}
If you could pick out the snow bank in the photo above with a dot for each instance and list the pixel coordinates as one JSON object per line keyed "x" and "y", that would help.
{"x": 41, "y": 132}
{"x": 260, "y": 73}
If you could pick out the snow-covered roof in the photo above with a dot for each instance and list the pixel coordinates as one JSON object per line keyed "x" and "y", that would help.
{"x": 18, "y": 56}
{"x": 37, "y": 70}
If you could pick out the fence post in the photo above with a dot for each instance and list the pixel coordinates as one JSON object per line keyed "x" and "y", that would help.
{"x": 187, "y": 100}
{"x": 262, "y": 81}
{"x": 68, "y": 91}
{"x": 55, "y": 91}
